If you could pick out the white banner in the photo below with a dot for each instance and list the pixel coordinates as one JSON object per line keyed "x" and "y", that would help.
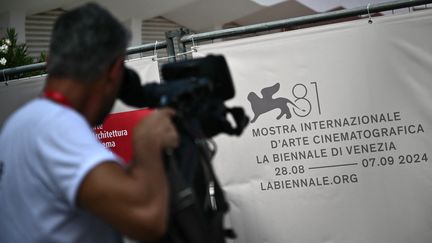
{"x": 15, "y": 93}
{"x": 339, "y": 148}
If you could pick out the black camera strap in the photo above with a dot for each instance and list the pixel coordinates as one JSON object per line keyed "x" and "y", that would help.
{"x": 186, "y": 224}
{"x": 197, "y": 205}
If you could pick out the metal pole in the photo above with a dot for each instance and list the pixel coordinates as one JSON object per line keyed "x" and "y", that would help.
{"x": 315, "y": 18}
{"x": 146, "y": 47}
{"x": 169, "y": 37}
{"x": 42, "y": 65}
{"x": 23, "y": 69}
{"x": 182, "y": 46}
{"x": 169, "y": 43}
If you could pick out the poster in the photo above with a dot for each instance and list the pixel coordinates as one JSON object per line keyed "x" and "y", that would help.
{"x": 339, "y": 144}
{"x": 116, "y": 132}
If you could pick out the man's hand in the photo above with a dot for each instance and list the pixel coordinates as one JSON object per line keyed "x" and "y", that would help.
{"x": 156, "y": 131}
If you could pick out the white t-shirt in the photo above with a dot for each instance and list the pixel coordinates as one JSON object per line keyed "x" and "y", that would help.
{"x": 46, "y": 150}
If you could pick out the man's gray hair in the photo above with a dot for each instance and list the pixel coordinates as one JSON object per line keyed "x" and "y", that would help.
{"x": 85, "y": 41}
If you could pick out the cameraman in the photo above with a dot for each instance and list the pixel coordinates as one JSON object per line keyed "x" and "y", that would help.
{"x": 57, "y": 182}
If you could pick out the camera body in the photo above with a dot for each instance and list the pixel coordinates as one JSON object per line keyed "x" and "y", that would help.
{"x": 213, "y": 68}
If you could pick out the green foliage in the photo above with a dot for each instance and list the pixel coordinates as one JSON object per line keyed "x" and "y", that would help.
{"x": 13, "y": 54}
{"x": 42, "y": 57}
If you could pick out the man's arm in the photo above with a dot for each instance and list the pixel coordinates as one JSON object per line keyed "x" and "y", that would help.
{"x": 135, "y": 201}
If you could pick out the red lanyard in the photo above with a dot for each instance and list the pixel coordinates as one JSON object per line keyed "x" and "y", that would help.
{"x": 57, "y": 97}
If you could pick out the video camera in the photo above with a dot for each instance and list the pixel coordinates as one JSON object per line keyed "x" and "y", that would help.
{"x": 195, "y": 89}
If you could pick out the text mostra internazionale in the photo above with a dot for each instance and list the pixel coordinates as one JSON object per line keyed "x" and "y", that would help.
{"x": 376, "y": 132}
